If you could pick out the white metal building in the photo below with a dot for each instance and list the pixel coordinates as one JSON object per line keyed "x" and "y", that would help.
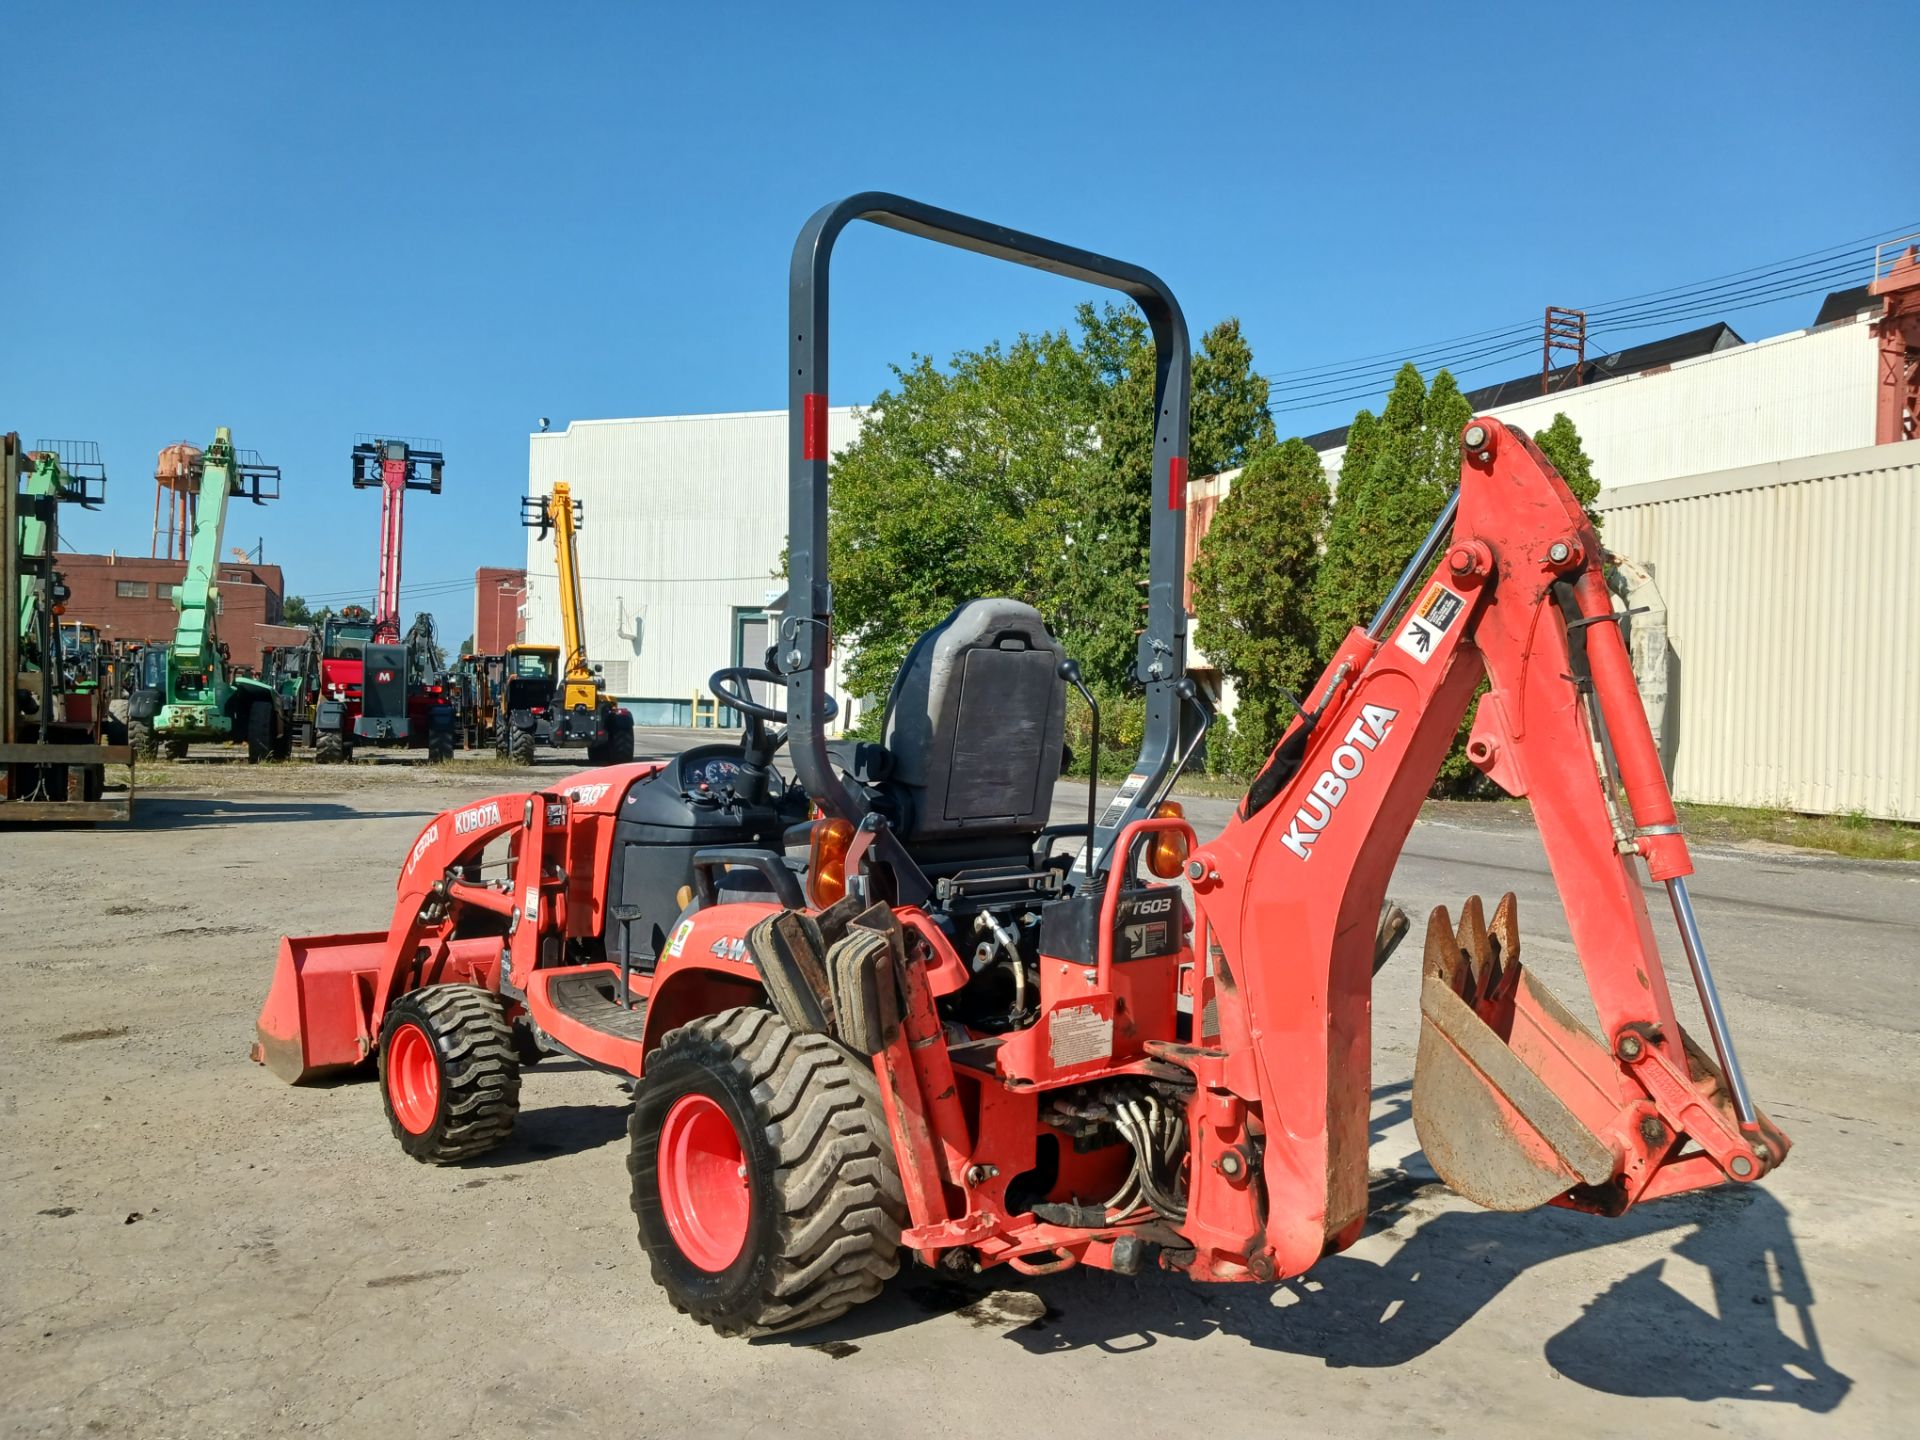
{"x": 684, "y": 518}
{"x": 1793, "y": 622}
{"x": 1809, "y": 392}
{"x": 1747, "y": 481}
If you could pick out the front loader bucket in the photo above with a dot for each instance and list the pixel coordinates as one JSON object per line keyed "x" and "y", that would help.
{"x": 315, "y": 1021}
{"x": 1508, "y": 1087}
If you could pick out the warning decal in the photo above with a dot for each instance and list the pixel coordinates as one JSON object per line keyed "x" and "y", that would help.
{"x": 1079, "y": 1033}
{"x": 1430, "y": 619}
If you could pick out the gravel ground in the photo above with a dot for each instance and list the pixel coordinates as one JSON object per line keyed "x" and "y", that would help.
{"x": 194, "y": 1249}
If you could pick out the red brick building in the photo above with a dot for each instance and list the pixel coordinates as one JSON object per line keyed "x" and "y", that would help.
{"x": 499, "y": 609}
{"x": 131, "y": 598}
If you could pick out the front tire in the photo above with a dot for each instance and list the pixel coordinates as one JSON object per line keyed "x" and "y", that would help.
{"x": 176, "y": 749}
{"x": 141, "y": 737}
{"x": 763, "y": 1175}
{"x": 448, "y": 1073}
{"x": 331, "y": 749}
{"x": 259, "y": 733}
{"x": 520, "y": 745}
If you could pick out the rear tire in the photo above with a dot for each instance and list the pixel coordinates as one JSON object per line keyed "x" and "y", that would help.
{"x": 449, "y": 1076}
{"x": 520, "y": 747}
{"x": 814, "y": 1228}
{"x": 331, "y": 749}
{"x": 439, "y": 746}
{"x": 259, "y": 729}
{"x": 141, "y": 737}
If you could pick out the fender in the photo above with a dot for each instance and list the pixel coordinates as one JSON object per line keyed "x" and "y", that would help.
{"x": 705, "y": 967}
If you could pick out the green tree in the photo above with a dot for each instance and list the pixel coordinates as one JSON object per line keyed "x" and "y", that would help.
{"x": 1394, "y": 480}
{"x": 1230, "y": 423}
{"x": 294, "y": 611}
{"x": 1253, "y": 586}
{"x": 951, "y": 491}
{"x": 1560, "y": 443}
{"x": 1023, "y": 470}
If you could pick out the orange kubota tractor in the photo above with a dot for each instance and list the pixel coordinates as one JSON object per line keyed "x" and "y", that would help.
{"x": 942, "y": 1033}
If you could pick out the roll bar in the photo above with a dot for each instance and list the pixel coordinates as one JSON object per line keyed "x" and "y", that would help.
{"x": 806, "y": 644}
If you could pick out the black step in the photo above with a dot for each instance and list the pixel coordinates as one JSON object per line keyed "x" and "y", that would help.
{"x": 592, "y": 1000}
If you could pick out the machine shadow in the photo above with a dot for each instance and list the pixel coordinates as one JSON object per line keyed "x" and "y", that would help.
{"x": 556, "y": 1130}
{"x": 1757, "y": 1342}
{"x": 198, "y": 814}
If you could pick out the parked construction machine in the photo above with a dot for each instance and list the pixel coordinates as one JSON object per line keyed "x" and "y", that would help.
{"x": 543, "y": 695}
{"x": 380, "y": 687}
{"x": 54, "y": 713}
{"x": 936, "y": 1033}
{"x": 190, "y": 690}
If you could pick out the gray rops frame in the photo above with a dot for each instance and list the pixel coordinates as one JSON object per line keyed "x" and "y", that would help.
{"x": 805, "y": 633}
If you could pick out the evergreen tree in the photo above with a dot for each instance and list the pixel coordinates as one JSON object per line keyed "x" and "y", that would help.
{"x": 1560, "y": 443}
{"x": 1392, "y": 487}
{"x": 1253, "y": 586}
{"x": 1230, "y": 422}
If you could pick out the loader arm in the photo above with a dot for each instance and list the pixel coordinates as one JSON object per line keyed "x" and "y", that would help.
{"x": 1516, "y": 1103}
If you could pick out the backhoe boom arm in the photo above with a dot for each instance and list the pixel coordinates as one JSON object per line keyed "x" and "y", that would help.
{"x": 1516, "y": 1103}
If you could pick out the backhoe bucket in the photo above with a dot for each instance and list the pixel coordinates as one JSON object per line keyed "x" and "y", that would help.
{"x": 1508, "y": 1087}
{"x": 314, "y": 1023}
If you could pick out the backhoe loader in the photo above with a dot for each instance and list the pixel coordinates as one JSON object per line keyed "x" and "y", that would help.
{"x": 941, "y": 1034}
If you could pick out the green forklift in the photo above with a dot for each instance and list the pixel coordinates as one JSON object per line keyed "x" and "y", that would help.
{"x": 52, "y": 763}
{"x": 190, "y": 690}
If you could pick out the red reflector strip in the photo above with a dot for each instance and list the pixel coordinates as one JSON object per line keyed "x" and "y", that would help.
{"x": 813, "y": 428}
{"x": 1176, "y": 482}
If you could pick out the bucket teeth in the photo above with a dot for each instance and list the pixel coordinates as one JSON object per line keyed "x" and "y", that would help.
{"x": 1496, "y": 1052}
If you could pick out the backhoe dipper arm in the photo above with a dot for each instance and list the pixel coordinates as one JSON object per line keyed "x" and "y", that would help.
{"x": 1515, "y": 1102}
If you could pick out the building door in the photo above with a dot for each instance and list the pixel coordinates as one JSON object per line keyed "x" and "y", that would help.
{"x": 752, "y": 634}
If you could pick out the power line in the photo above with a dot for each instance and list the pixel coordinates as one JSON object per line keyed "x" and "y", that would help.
{"x": 1813, "y": 267}
{"x": 1774, "y": 285}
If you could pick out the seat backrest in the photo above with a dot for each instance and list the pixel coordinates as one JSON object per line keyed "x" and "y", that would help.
{"x": 974, "y": 724}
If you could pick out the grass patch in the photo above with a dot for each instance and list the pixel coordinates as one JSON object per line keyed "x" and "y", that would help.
{"x": 1854, "y": 835}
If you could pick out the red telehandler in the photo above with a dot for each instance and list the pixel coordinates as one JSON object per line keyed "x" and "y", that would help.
{"x": 940, "y": 1034}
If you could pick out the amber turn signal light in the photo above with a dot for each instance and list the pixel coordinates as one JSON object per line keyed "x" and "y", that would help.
{"x": 827, "y": 860}
{"x": 1167, "y": 849}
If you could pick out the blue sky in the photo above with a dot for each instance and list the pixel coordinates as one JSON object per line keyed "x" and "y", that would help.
{"x": 306, "y": 220}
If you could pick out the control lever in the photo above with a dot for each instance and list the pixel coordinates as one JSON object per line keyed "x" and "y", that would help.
{"x": 1070, "y": 672}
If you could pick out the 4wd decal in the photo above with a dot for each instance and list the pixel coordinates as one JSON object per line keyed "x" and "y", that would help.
{"x": 1343, "y": 768}
{"x": 728, "y": 948}
{"x": 468, "y": 821}
{"x": 1428, "y": 621}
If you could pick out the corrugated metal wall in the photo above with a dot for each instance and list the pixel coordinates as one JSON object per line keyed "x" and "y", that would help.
{"x": 1793, "y": 611}
{"x": 685, "y": 518}
{"x": 1808, "y": 393}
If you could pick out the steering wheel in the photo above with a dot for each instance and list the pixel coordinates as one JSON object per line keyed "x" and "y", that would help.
{"x": 729, "y": 687}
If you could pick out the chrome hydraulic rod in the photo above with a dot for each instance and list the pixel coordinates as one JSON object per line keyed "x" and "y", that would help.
{"x": 1710, "y": 999}
{"x": 1416, "y": 568}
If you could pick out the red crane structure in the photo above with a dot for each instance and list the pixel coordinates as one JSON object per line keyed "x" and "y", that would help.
{"x": 395, "y": 465}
